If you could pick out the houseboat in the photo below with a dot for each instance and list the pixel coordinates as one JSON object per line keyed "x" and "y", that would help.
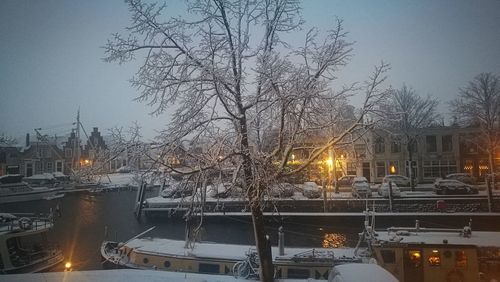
{"x": 24, "y": 247}
{"x": 215, "y": 258}
{"x": 437, "y": 254}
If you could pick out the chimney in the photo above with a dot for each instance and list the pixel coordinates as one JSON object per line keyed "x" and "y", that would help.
{"x": 27, "y": 139}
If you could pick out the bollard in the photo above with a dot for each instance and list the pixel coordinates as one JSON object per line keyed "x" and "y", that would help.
{"x": 281, "y": 241}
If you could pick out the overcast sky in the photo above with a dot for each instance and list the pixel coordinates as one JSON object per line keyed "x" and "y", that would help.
{"x": 50, "y": 55}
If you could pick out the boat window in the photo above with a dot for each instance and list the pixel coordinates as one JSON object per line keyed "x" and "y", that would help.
{"x": 415, "y": 258}
{"x": 460, "y": 259}
{"x": 389, "y": 256}
{"x": 166, "y": 264}
{"x": 435, "y": 258}
{"x": 145, "y": 260}
{"x": 298, "y": 273}
{"x": 208, "y": 268}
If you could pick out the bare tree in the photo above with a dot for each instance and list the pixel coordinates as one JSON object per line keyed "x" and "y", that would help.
{"x": 241, "y": 93}
{"x": 479, "y": 104}
{"x": 407, "y": 113}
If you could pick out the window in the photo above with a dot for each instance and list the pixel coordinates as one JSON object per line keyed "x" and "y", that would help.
{"x": 380, "y": 169}
{"x": 59, "y": 166}
{"x": 208, "y": 268}
{"x": 447, "y": 143}
{"x": 460, "y": 259}
{"x": 430, "y": 142}
{"x": 388, "y": 256}
{"x": 434, "y": 169}
{"x": 468, "y": 166}
{"x": 393, "y": 167}
{"x": 49, "y": 166}
{"x": 434, "y": 259}
{"x": 415, "y": 258}
{"x": 298, "y": 273}
{"x": 145, "y": 260}
{"x": 166, "y": 264}
{"x": 351, "y": 168}
{"x": 395, "y": 146}
{"x": 483, "y": 168}
{"x": 379, "y": 145}
{"x": 68, "y": 153}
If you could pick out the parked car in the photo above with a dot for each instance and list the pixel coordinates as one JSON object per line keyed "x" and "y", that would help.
{"x": 311, "y": 190}
{"x": 400, "y": 180}
{"x": 361, "y": 187}
{"x": 383, "y": 190}
{"x": 346, "y": 180}
{"x": 462, "y": 177}
{"x": 452, "y": 186}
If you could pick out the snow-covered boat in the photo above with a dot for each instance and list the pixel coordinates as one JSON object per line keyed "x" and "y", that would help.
{"x": 437, "y": 254}
{"x": 23, "y": 245}
{"x": 13, "y": 189}
{"x": 56, "y": 196}
{"x": 215, "y": 258}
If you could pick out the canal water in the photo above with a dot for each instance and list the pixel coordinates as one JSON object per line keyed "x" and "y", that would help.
{"x": 86, "y": 220}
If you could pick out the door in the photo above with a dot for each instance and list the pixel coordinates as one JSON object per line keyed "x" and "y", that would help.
{"x": 366, "y": 171}
{"x": 29, "y": 169}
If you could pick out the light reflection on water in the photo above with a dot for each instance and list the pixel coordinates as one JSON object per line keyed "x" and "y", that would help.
{"x": 334, "y": 240}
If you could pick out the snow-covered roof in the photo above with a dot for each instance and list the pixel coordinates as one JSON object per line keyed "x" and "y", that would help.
{"x": 477, "y": 238}
{"x": 224, "y": 251}
{"x": 361, "y": 272}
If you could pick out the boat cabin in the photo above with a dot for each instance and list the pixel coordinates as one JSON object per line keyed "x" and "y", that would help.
{"x": 422, "y": 262}
{"x": 24, "y": 247}
{"x": 438, "y": 254}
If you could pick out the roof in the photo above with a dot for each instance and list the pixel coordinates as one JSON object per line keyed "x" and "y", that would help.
{"x": 221, "y": 251}
{"x": 477, "y": 238}
{"x": 359, "y": 272}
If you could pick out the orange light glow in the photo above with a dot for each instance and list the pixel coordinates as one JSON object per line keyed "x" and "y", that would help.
{"x": 393, "y": 169}
{"x": 334, "y": 240}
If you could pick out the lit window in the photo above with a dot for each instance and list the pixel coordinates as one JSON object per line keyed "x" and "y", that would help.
{"x": 435, "y": 258}
{"x": 415, "y": 258}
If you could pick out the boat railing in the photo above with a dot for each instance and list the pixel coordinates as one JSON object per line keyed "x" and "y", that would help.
{"x": 21, "y": 257}
{"x": 314, "y": 255}
{"x": 27, "y": 222}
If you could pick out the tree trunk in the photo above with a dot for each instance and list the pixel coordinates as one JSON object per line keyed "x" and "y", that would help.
{"x": 262, "y": 244}
{"x": 410, "y": 166}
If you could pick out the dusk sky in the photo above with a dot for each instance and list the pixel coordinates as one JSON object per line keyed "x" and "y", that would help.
{"x": 51, "y": 56}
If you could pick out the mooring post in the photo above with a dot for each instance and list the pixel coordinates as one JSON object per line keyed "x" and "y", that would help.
{"x": 281, "y": 241}
{"x": 140, "y": 196}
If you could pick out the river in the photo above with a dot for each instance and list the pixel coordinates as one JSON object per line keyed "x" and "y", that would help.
{"x": 84, "y": 218}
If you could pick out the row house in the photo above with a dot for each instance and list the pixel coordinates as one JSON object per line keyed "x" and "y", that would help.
{"x": 438, "y": 151}
{"x": 33, "y": 158}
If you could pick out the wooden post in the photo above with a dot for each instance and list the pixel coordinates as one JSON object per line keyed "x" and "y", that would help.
{"x": 390, "y": 195}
